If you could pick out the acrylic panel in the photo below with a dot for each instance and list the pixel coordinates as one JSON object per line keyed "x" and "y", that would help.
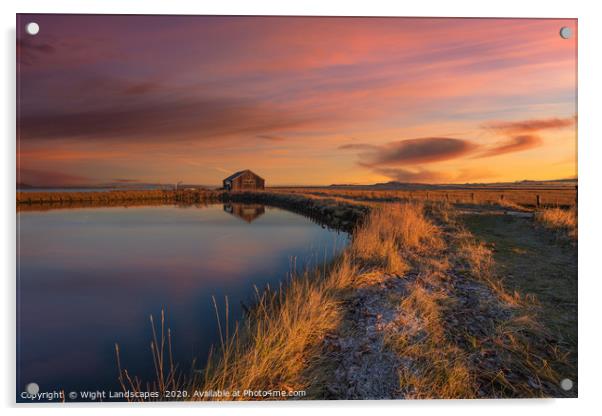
{"x": 295, "y": 208}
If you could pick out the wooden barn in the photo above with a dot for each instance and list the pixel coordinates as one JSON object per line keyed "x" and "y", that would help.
{"x": 245, "y": 180}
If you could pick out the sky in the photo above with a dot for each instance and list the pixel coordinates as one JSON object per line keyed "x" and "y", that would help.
{"x": 298, "y": 100}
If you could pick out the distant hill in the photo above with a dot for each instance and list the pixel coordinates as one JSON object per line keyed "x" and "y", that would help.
{"x": 524, "y": 184}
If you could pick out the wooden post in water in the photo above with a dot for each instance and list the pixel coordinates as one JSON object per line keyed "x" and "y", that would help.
{"x": 472, "y": 197}
{"x": 427, "y": 195}
{"x": 501, "y": 197}
{"x": 538, "y": 201}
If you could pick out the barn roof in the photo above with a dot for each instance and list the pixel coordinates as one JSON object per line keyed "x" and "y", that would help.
{"x": 237, "y": 174}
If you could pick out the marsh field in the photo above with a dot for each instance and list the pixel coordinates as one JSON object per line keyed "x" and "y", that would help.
{"x": 438, "y": 293}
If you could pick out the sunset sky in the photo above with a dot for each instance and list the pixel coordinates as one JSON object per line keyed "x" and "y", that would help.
{"x": 300, "y": 101}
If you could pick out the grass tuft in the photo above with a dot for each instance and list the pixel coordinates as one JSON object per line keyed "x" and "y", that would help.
{"x": 391, "y": 231}
{"x": 561, "y": 220}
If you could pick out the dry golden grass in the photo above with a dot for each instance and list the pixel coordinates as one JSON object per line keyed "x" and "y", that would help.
{"x": 558, "y": 219}
{"x": 42, "y": 201}
{"x": 433, "y": 366}
{"x": 390, "y": 231}
{"x": 436, "y": 365}
{"x": 96, "y": 197}
{"x": 509, "y": 197}
{"x": 281, "y": 336}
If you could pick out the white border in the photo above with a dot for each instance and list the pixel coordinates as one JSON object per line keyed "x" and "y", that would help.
{"x": 589, "y": 176}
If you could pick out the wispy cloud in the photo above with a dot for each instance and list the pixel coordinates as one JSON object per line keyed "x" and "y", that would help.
{"x": 527, "y": 126}
{"x": 358, "y": 146}
{"x": 521, "y": 134}
{"x": 514, "y": 144}
{"x": 29, "y": 50}
{"x": 271, "y": 137}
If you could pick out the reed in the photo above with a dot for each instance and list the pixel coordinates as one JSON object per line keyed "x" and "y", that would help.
{"x": 167, "y": 378}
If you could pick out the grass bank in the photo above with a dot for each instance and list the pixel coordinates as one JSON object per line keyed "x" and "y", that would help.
{"x": 280, "y": 346}
{"x": 415, "y": 307}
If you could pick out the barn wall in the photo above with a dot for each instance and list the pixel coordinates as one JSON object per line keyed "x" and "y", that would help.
{"x": 247, "y": 181}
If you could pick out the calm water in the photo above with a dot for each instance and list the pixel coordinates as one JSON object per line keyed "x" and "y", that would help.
{"x": 90, "y": 278}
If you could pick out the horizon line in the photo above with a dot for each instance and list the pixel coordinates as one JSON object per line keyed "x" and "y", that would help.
{"x": 134, "y": 184}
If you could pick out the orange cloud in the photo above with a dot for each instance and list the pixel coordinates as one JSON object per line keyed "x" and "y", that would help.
{"x": 515, "y": 144}
{"x": 526, "y": 126}
{"x": 521, "y": 132}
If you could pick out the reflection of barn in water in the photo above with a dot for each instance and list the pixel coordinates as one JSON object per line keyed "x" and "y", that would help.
{"x": 248, "y": 212}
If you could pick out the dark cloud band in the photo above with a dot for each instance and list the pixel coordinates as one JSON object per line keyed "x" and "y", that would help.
{"x": 161, "y": 121}
{"x": 413, "y": 151}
